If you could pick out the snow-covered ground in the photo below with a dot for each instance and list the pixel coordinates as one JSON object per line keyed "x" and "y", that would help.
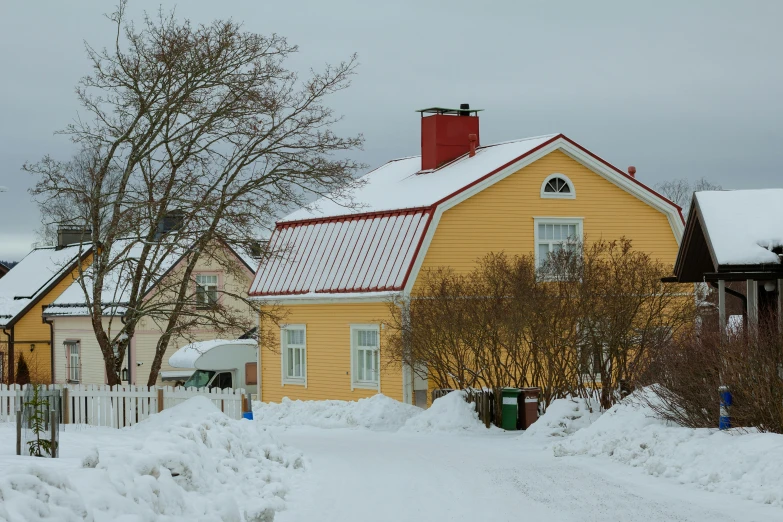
{"x": 416, "y": 471}
{"x": 187, "y": 463}
{"x": 381, "y": 460}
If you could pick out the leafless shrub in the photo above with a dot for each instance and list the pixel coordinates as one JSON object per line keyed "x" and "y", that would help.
{"x": 689, "y": 371}
{"x": 584, "y": 321}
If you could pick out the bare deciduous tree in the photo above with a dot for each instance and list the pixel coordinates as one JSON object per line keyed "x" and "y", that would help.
{"x": 680, "y": 191}
{"x": 203, "y": 125}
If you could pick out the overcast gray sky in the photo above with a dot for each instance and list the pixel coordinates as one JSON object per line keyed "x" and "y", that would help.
{"x": 678, "y": 89}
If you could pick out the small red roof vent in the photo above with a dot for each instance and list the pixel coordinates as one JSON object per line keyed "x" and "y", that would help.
{"x": 446, "y": 134}
{"x": 632, "y": 171}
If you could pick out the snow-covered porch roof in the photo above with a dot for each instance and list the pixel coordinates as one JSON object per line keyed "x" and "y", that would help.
{"x": 31, "y": 279}
{"x": 734, "y": 234}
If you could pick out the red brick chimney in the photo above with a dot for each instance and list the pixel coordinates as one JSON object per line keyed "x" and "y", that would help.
{"x": 447, "y": 134}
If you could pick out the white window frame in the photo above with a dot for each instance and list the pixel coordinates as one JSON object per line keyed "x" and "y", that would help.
{"x": 558, "y": 195}
{"x": 206, "y": 287}
{"x": 355, "y": 382}
{"x": 284, "y": 378}
{"x": 77, "y": 370}
{"x": 543, "y": 220}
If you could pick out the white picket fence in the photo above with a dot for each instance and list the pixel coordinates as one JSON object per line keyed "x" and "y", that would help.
{"x": 119, "y": 406}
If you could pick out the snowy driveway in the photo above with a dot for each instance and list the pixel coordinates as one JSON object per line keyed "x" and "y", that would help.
{"x": 361, "y": 475}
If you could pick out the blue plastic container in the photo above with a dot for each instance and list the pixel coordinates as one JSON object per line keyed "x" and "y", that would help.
{"x": 724, "y": 422}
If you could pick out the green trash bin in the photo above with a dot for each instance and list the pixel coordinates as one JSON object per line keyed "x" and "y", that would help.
{"x": 510, "y": 397}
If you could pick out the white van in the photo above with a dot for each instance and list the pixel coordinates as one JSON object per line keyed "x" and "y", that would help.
{"x": 220, "y": 364}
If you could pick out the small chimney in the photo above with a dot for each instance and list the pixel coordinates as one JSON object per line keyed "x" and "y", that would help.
{"x": 447, "y": 134}
{"x": 71, "y": 236}
{"x": 632, "y": 171}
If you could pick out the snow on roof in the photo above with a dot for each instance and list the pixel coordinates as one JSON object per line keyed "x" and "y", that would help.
{"x": 743, "y": 225}
{"x": 31, "y": 278}
{"x": 396, "y": 185}
{"x": 354, "y": 254}
{"x": 186, "y": 356}
{"x": 116, "y": 284}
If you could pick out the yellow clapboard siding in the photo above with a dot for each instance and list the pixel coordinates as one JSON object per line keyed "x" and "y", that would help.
{"x": 501, "y": 217}
{"x": 328, "y": 354}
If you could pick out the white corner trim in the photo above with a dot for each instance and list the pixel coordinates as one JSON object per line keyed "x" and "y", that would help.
{"x": 283, "y": 379}
{"x": 259, "y": 367}
{"x": 558, "y": 195}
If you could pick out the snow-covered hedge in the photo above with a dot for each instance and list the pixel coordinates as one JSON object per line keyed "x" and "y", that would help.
{"x": 376, "y": 413}
{"x": 380, "y": 413}
{"x": 745, "y": 463}
{"x": 189, "y": 462}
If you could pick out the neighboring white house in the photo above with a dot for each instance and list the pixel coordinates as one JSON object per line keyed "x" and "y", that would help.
{"x": 77, "y": 355}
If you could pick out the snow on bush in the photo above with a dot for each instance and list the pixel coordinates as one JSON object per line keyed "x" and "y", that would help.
{"x": 745, "y": 463}
{"x": 190, "y": 462}
{"x": 376, "y": 413}
{"x": 448, "y": 413}
{"x": 563, "y": 417}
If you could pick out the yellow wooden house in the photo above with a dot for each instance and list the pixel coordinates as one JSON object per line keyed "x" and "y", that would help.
{"x": 34, "y": 283}
{"x": 334, "y": 266}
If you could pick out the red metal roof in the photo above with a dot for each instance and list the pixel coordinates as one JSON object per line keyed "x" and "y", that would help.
{"x": 361, "y": 253}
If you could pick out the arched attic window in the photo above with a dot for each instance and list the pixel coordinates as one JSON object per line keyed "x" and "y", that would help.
{"x": 558, "y": 186}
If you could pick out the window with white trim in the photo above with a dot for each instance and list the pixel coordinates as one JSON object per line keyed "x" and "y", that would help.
{"x": 206, "y": 290}
{"x": 73, "y": 357}
{"x": 294, "y": 341}
{"x": 365, "y": 355}
{"x": 556, "y": 234}
{"x": 558, "y": 186}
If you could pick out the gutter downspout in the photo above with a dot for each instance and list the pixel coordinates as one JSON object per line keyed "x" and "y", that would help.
{"x": 51, "y": 343}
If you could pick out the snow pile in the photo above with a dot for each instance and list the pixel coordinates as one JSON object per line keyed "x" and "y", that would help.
{"x": 190, "y": 462}
{"x": 563, "y": 417}
{"x": 376, "y": 413}
{"x": 448, "y": 413}
{"x": 742, "y": 463}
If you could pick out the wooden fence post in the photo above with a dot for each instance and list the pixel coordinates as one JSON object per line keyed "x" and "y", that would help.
{"x": 18, "y": 432}
{"x": 53, "y": 433}
{"x": 485, "y": 407}
{"x": 66, "y": 406}
{"x": 160, "y": 400}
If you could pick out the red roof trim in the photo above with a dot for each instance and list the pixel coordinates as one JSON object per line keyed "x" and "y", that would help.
{"x": 415, "y": 256}
{"x": 349, "y": 217}
{"x": 624, "y": 174}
